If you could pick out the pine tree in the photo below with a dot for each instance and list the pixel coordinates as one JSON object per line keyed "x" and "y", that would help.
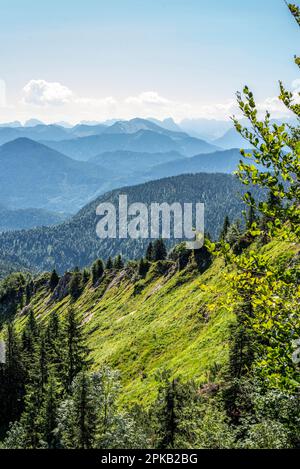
{"x": 54, "y": 279}
{"x": 75, "y": 286}
{"x": 76, "y": 351}
{"x": 84, "y": 411}
{"x": 55, "y": 346}
{"x": 78, "y": 414}
{"x": 29, "y": 291}
{"x": 167, "y": 411}
{"x": 31, "y": 417}
{"x": 49, "y": 411}
{"x": 118, "y": 263}
{"x": 85, "y": 276}
{"x": 97, "y": 271}
{"x": 149, "y": 252}
{"x": 224, "y": 231}
{"x": 143, "y": 267}
{"x": 14, "y": 378}
{"x": 159, "y": 250}
{"x": 109, "y": 264}
{"x": 43, "y": 362}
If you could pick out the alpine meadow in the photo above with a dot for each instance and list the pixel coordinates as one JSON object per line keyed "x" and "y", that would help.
{"x": 132, "y": 343}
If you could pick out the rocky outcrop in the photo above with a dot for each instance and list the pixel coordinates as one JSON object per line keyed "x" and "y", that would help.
{"x": 62, "y": 289}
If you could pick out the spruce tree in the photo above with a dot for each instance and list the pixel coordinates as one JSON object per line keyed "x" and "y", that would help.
{"x": 76, "y": 350}
{"x": 109, "y": 264}
{"x": 149, "y": 252}
{"x": 14, "y": 375}
{"x": 49, "y": 411}
{"x": 84, "y": 409}
{"x": 167, "y": 411}
{"x": 97, "y": 271}
{"x": 85, "y": 276}
{"x": 78, "y": 414}
{"x": 224, "y": 231}
{"x": 159, "y": 250}
{"x": 54, "y": 344}
{"x": 143, "y": 267}
{"x": 118, "y": 263}
{"x": 75, "y": 286}
{"x": 54, "y": 279}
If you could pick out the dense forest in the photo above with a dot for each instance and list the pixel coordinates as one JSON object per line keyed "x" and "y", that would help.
{"x": 75, "y": 242}
{"x": 90, "y": 355}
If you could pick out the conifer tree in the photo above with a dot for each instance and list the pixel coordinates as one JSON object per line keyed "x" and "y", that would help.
{"x": 31, "y": 417}
{"x": 29, "y": 291}
{"x": 97, "y": 271}
{"x": 118, "y": 263}
{"x": 149, "y": 252}
{"x": 43, "y": 361}
{"x": 14, "y": 378}
{"x": 78, "y": 414}
{"x": 85, "y": 276}
{"x": 159, "y": 250}
{"x": 76, "y": 350}
{"x": 167, "y": 411}
{"x": 143, "y": 267}
{"x": 109, "y": 264}
{"x": 49, "y": 411}
{"x": 226, "y": 226}
{"x": 55, "y": 346}
{"x": 75, "y": 286}
{"x": 54, "y": 279}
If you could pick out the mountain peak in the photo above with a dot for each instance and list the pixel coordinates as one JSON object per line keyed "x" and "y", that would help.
{"x": 22, "y": 143}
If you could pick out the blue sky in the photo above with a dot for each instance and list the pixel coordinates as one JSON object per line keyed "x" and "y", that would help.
{"x": 96, "y": 59}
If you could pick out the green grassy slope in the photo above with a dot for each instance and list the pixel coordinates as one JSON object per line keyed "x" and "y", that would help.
{"x": 169, "y": 320}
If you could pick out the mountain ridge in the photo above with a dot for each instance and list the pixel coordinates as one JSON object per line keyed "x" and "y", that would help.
{"x": 75, "y": 241}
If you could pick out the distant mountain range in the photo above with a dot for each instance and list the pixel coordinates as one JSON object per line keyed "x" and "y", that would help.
{"x": 231, "y": 139}
{"x": 61, "y": 168}
{"x": 36, "y": 176}
{"x": 126, "y": 163}
{"x": 207, "y": 129}
{"x": 75, "y": 242}
{"x": 11, "y": 220}
{"x": 83, "y": 141}
{"x": 217, "y": 162}
{"x": 144, "y": 141}
{"x": 33, "y": 175}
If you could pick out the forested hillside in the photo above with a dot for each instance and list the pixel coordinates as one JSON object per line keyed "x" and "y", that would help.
{"x": 217, "y": 162}
{"x": 158, "y": 336}
{"x": 75, "y": 243}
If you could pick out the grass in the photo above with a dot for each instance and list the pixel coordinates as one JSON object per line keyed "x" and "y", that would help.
{"x": 169, "y": 320}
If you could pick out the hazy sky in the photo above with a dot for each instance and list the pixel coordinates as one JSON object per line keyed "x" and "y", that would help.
{"x": 96, "y": 59}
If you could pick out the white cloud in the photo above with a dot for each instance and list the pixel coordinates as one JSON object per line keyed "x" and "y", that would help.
{"x": 56, "y": 102}
{"x": 108, "y": 101}
{"x": 148, "y": 97}
{"x": 42, "y": 93}
{"x": 274, "y": 105}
